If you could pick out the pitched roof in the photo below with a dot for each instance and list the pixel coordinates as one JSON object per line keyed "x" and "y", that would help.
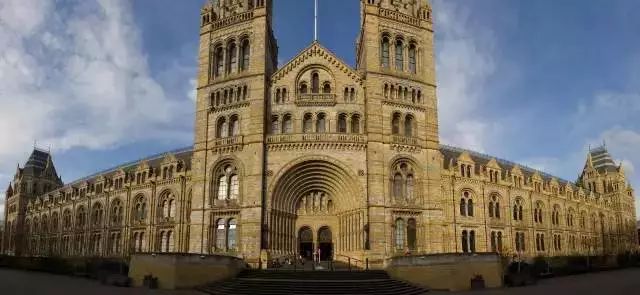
{"x": 37, "y": 162}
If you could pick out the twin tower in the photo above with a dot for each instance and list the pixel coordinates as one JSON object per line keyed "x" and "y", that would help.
{"x": 314, "y": 154}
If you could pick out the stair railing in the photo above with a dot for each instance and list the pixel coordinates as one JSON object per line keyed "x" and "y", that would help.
{"x": 353, "y": 260}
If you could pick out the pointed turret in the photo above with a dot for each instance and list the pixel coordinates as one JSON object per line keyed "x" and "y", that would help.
{"x": 9, "y": 192}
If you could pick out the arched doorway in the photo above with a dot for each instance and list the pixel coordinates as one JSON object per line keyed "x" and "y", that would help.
{"x": 305, "y": 242}
{"x": 325, "y": 243}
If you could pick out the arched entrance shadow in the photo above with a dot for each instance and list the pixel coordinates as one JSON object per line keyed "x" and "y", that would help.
{"x": 325, "y": 243}
{"x": 305, "y": 242}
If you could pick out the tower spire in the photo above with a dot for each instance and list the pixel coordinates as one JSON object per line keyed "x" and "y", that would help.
{"x": 315, "y": 21}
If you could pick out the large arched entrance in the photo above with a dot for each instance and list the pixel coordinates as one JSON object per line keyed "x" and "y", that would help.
{"x": 313, "y": 205}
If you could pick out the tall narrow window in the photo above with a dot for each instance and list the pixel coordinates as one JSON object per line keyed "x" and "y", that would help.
{"x": 385, "y": 53}
{"x": 493, "y": 242}
{"x": 275, "y": 125}
{"x": 221, "y": 128}
{"x": 399, "y": 55}
{"x": 320, "y": 123}
{"x": 355, "y": 124}
{"x": 315, "y": 82}
{"x": 222, "y": 188}
{"x": 232, "y": 57}
{"x": 307, "y": 124}
{"x": 303, "y": 88}
{"x": 472, "y": 241}
{"x": 400, "y": 234}
{"x": 234, "y": 126}
{"x": 231, "y": 235}
{"x": 395, "y": 124}
{"x": 465, "y": 242}
{"x": 235, "y": 187}
{"x": 470, "y": 207}
{"x": 410, "y": 185}
{"x": 342, "y": 123}
{"x": 463, "y": 207}
{"x": 246, "y": 48}
{"x": 220, "y": 235}
{"x": 397, "y": 185}
{"x": 408, "y": 126}
{"x": 411, "y": 234}
{"x": 218, "y": 61}
{"x": 326, "y": 88}
{"x": 412, "y": 58}
{"x": 287, "y": 124}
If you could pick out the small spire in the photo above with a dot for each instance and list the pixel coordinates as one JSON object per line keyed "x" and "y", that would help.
{"x": 315, "y": 21}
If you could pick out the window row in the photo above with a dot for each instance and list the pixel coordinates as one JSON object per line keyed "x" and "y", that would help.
{"x": 316, "y": 87}
{"x": 349, "y": 94}
{"x": 229, "y": 95}
{"x": 403, "y": 182}
{"x": 540, "y": 242}
{"x": 408, "y": 123}
{"x": 281, "y": 96}
{"x": 496, "y": 241}
{"x": 398, "y": 92}
{"x": 226, "y": 235}
{"x": 405, "y": 56}
{"x": 232, "y": 58}
{"x": 316, "y": 123}
{"x": 468, "y": 241}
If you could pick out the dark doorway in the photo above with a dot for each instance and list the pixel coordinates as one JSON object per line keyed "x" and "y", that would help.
{"x": 325, "y": 243}
{"x": 305, "y": 240}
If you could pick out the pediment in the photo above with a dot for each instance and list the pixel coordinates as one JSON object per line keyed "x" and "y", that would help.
{"x": 465, "y": 157}
{"x": 494, "y": 164}
{"x": 315, "y": 55}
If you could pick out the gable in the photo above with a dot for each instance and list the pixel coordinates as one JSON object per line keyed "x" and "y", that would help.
{"x": 316, "y": 55}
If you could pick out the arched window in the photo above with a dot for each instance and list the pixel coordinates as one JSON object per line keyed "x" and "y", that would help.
{"x": 140, "y": 209}
{"x": 499, "y": 241}
{"x": 228, "y": 183}
{"x": 411, "y": 234}
{"x": 307, "y": 124}
{"x": 246, "y": 51}
{"x": 403, "y": 181}
{"x": 472, "y": 241}
{"x": 167, "y": 206}
{"x": 494, "y": 242}
{"x": 412, "y": 58}
{"x": 221, "y": 128}
{"x": 386, "y": 91}
{"x": 395, "y": 124}
{"x": 466, "y": 205}
{"x": 275, "y": 125}
{"x": 384, "y": 56}
{"x": 537, "y": 213}
{"x": 399, "y": 55}
{"x": 231, "y": 235}
{"x": 326, "y": 88}
{"x": 232, "y": 57}
{"x": 234, "y": 126}
{"x": 116, "y": 212}
{"x": 517, "y": 210}
{"x": 66, "y": 219}
{"x": 320, "y": 123}
{"x": 287, "y": 124}
{"x": 315, "y": 82}
{"x": 81, "y": 218}
{"x": 408, "y": 126}
{"x": 342, "y": 123}
{"x": 97, "y": 213}
{"x": 304, "y": 88}
{"x": 54, "y": 222}
{"x": 494, "y": 207}
{"x": 346, "y": 94}
{"x": 400, "y": 234}
{"x": 218, "y": 61}
{"x": 355, "y": 124}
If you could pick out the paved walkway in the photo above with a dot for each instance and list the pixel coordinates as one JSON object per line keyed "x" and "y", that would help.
{"x": 626, "y": 281}
{"x": 32, "y": 283}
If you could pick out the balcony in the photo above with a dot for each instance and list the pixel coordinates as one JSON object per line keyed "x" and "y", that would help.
{"x": 317, "y": 137}
{"x": 227, "y": 141}
{"x": 403, "y": 140}
{"x": 316, "y": 99}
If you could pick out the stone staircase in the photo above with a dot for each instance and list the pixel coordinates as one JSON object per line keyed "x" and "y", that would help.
{"x": 312, "y": 282}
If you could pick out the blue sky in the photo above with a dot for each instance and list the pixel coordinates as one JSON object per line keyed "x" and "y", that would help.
{"x": 109, "y": 81}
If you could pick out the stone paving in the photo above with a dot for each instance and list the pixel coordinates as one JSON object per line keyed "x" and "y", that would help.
{"x": 626, "y": 281}
{"x": 612, "y": 282}
{"x": 34, "y": 283}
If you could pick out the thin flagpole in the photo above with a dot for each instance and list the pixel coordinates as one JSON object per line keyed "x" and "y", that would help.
{"x": 315, "y": 21}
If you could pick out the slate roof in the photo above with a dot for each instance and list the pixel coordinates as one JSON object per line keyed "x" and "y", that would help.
{"x": 451, "y": 152}
{"x": 37, "y": 162}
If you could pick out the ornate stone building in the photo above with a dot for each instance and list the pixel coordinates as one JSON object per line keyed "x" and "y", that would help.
{"x": 318, "y": 154}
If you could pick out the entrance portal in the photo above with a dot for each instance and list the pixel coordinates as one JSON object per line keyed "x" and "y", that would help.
{"x": 325, "y": 243}
{"x": 305, "y": 240}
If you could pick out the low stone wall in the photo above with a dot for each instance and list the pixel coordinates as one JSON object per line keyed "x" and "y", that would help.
{"x": 452, "y": 272}
{"x": 178, "y": 271}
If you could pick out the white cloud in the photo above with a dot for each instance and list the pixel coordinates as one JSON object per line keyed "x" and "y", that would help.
{"x": 465, "y": 62}
{"x": 74, "y": 74}
{"x": 193, "y": 91}
{"x": 2, "y": 200}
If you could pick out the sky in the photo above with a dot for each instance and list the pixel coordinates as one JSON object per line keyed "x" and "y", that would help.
{"x": 103, "y": 82}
